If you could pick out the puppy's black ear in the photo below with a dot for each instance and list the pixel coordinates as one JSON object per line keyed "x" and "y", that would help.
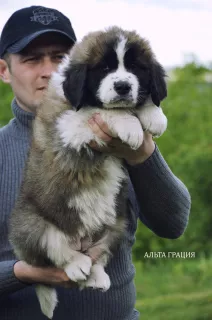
{"x": 73, "y": 85}
{"x": 158, "y": 88}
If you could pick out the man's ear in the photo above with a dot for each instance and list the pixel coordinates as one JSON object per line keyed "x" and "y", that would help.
{"x": 158, "y": 88}
{"x": 4, "y": 71}
{"x": 74, "y": 83}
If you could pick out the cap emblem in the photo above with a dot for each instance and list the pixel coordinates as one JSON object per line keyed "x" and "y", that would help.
{"x": 44, "y": 16}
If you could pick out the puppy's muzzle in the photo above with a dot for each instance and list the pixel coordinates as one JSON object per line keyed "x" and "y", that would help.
{"x": 122, "y": 87}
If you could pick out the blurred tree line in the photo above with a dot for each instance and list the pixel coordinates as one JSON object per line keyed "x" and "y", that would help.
{"x": 187, "y": 148}
{"x": 6, "y": 96}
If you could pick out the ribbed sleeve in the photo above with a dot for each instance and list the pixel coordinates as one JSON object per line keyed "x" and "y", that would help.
{"x": 8, "y": 282}
{"x": 164, "y": 201}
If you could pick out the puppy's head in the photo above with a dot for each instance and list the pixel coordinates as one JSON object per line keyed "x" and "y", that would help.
{"x": 113, "y": 69}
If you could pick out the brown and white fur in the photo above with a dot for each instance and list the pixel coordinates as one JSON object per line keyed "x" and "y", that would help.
{"x": 72, "y": 205}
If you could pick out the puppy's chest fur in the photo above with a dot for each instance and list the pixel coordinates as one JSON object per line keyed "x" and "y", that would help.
{"x": 79, "y": 191}
{"x": 79, "y": 197}
{"x": 97, "y": 204}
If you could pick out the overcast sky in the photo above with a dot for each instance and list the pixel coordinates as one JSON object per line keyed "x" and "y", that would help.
{"x": 175, "y": 28}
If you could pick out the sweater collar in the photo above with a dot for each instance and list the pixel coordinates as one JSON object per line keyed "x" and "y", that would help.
{"x": 23, "y": 118}
{"x": 21, "y": 124}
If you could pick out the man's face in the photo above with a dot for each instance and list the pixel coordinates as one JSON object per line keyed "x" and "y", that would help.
{"x": 30, "y": 70}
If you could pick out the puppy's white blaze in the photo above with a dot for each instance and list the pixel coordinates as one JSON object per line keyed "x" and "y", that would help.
{"x": 120, "y": 50}
{"x": 97, "y": 207}
{"x": 47, "y": 298}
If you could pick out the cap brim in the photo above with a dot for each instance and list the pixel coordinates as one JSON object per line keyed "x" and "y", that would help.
{"x": 21, "y": 44}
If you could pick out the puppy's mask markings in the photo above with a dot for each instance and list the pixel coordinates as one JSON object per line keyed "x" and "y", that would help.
{"x": 119, "y": 88}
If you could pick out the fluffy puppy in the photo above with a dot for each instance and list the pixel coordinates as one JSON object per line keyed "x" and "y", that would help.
{"x": 72, "y": 205}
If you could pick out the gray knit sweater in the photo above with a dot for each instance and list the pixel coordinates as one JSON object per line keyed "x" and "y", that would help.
{"x": 163, "y": 205}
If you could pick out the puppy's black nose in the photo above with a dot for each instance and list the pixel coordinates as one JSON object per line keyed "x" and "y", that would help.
{"x": 122, "y": 87}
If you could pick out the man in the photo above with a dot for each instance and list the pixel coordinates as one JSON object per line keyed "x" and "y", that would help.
{"x": 32, "y": 44}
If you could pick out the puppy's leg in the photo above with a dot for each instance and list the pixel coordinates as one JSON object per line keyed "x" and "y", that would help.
{"x": 98, "y": 278}
{"x": 100, "y": 253}
{"x": 60, "y": 250}
{"x": 74, "y": 130}
{"x": 26, "y": 229}
{"x": 152, "y": 119}
{"x": 125, "y": 126}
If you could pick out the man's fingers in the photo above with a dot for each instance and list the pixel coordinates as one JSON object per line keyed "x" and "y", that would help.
{"x": 93, "y": 144}
{"x": 98, "y": 131}
{"x": 114, "y": 147}
{"x": 103, "y": 125}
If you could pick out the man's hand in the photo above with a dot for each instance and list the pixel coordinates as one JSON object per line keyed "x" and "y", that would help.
{"x": 116, "y": 147}
{"x": 53, "y": 276}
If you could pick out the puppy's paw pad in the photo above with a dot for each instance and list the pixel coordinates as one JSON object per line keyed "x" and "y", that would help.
{"x": 130, "y": 132}
{"x": 154, "y": 121}
{"x": 98, "y": 279}
{"x": 102, "y": 284}
{"x": 79, "y": 268}
{"x": 134, "y": 139}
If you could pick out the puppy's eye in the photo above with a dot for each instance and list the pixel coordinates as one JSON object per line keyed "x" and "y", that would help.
{"x": 106, "y": 68}
{"x": 133, "y": 65}
{"x": 143, "y": 67}
{"x": 102, "y": 66}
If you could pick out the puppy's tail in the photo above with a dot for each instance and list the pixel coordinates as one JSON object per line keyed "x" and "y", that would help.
{"x": 47, "y": 297}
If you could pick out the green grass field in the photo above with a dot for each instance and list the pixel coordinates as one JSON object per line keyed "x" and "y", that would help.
{"x": 175, "y": 289}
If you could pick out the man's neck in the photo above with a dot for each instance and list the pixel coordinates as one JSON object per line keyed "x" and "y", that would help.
{"x": 23, "y": 107}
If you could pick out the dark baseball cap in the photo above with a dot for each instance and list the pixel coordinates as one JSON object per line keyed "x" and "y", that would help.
{"x": 28, "y": 23}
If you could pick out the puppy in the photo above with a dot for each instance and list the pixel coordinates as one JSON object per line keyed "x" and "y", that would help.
{"x": 71, "y": 210}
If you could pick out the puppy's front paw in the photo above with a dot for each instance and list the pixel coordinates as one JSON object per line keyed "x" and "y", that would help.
{"x": 79, "y": 268}
{"x": 153, "y": 120}
{"x": 73, "y": 130}
{"x": 98, "y": 279}
{"x": 129, "y": 130}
